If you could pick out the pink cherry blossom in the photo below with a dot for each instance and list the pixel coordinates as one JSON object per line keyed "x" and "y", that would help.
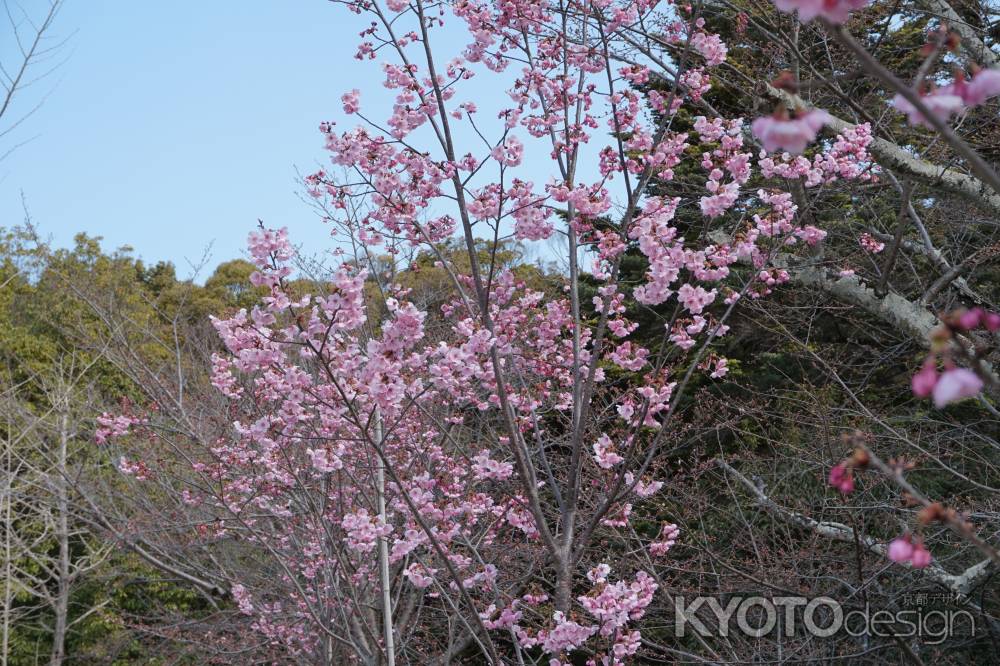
{"x": 900, "y": 550}
{"x": 903, "y": 550}
{"x": 810, "y": 234}
{"x": 921, "y": 557}
{"x": 842, "y": 478}
{"x": 137, "y": 469}
{"x": 111, "y": 426}
{"x": 835, "y": 11}
{"x": 711, "y": 47}
{"x": 242, "y": 598}
{"x": 324, "y": 461}
{"x": 925, "y": 380}
{"x": 566, "y": 634}
{"x": 956, "y": 384}
{"x": 971, "y": 318}
{"x": 792, "y": 135}
{"x": 668, "y": 537}
{"x": 604, "y": 453}
{"x": 695, "y": 299}
{"x": 507, "y": 619}
{"x": 871, "y": 244}
{"x": 351, "y": 101}
{"x": 984, "y": 84}
{"x": 941, "y": 104}
{"x": 485, "y": 467}
{"x": 362, "y": 530}
{"x": 510, "y": 152}
{"x": 419, "y": 575}
{"x": 642, "y": 488}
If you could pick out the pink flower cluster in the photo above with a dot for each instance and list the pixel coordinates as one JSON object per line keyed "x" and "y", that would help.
{"x": 903, "y": 550}
{"x": 950, "y": 386}
{"x": 984, "y": 85}
{"x": 709, "y": 45}
{"x": 954, "y": 383}
{"x": 695, "y": 299}
{"x": 613, "y": 606}
{"x": 668, "y": 537}
{"x": 363, "y": 530}
{"x": 485, "y": 467}
{"x": 326, "y": 461}
{"x": 953, "y": 98}
{"x": 792, "y": 134}
{"x": 941, "y": 103}
{"x": 604, "y": 453}
{"x": 727, "y": 159}
{"x": 870, "y": 244}
{"x": 973, "y": 318}
{"x": 847, "y": 159}
{"x": 842, "y": 477}
{"x": 834, "y": 11}
{"x": 110, "y": 426}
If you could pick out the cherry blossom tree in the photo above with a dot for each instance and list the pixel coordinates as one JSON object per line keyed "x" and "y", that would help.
{"x": 474, "y": 479}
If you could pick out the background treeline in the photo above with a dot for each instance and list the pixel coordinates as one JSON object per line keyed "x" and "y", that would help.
{"x": 65, "y": 587}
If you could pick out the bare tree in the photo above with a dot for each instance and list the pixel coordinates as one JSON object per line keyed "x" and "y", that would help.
{"x": 35, "y": 60}
{"x": 48, "y": 547}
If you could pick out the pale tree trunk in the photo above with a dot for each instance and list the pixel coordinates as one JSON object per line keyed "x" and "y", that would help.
{"x": 8, "y": 553}
{"x": 61, "y": 606}
{"x": 383, "y": 550}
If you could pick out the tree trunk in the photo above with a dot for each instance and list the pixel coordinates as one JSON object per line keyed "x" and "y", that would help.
{"x": 8, "y": 582}
{"x": 61, "y": 606}
{"x": 383, "y": 551}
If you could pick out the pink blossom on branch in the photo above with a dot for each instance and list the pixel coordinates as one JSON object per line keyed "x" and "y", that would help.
{"x": 842, "y": 478}
{"x": 352, "y": 102}
{"x": 695, "y": 299}
{"x": 871, "y": 244}
{"x": 950, "y": 386}
{"x": 604, "y": 453}
{"x": 779, "y": 132}
{"x": 110, "y": 426}
{"x": 956, "y": 384}
{"x": 921, "y": 557}
{"x": 925, "y": 380}
{"x": 984, "y": 85}
{"x": 942, "y": 104}
{"x": 835, "y": 11}
{"x": 902, "y": 550}
{"x": 668, "y": 537}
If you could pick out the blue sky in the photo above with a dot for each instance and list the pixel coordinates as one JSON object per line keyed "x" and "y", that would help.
{"x": 175, "y": 125}
{"x": 172, "y": 127}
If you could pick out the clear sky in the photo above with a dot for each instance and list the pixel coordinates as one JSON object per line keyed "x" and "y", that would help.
{"x": 175, "y": 125}
{"x": 171, "y": 127}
